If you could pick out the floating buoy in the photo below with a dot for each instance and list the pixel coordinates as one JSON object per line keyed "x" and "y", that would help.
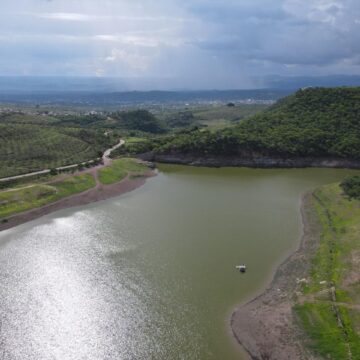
{"x": 241, "y": 268}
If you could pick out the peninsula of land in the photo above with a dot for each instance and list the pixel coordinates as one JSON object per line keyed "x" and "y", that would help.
{"x": 22, "y": 203}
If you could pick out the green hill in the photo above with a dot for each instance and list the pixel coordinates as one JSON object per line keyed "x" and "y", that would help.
{"x": 141, "y": 120}
{"x": 32, "y": 142}
{"x": 312, "y": 122}
{"x": 27, "y": 148}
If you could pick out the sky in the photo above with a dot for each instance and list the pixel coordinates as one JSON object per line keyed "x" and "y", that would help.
{"x": 186, "y": 43}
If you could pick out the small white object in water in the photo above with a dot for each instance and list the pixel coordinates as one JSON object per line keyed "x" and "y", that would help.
{"x": 241, "y": 268}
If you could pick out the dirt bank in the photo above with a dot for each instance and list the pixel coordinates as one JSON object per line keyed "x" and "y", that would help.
{"x": 265, "y": 326}
{"x": 100, "y": 192}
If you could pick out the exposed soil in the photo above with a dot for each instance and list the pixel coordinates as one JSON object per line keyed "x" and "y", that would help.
{"x": 266, "y": 326}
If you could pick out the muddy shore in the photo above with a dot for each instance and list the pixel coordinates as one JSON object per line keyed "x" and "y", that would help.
{"x": 99, "y": 192}
{"x": 266, "y": 327}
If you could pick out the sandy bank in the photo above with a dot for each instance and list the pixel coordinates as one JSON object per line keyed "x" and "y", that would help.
{"x": 100, "y": 192}
{"x": 265, "y": 326}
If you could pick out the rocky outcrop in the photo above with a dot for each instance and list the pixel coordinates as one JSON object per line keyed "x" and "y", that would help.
{"x": 257, "y": 161}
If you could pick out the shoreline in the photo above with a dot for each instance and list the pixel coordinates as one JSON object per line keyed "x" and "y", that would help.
{"x": 265, "y": 326}
{"x": 95, "y": 194}
{"x": 256, "y": 161}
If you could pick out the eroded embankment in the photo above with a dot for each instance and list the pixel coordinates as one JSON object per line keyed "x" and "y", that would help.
{"x": 250, "y": 161}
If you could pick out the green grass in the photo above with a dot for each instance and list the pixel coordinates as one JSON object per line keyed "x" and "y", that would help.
{"x": 75, "y": 184}
{"x": 222, "y": 116}
{"x": 28, "y": 197}
{"x": 29, "y": 119}
{"x": 119, "y": 169}
{"x": 327, "y": 338}
{"x": 335, "y": 262}
{"x": 134, "y": 140}
{"x": 339, "y": 218}
{"x": 214, "y": 116}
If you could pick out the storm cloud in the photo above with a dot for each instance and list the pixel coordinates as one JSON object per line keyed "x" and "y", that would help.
{"x": 189, "y": 43}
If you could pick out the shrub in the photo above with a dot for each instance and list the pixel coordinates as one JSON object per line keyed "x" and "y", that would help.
{"x": 351, "y": 186}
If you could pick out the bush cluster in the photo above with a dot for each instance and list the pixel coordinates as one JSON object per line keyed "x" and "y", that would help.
{"x": 351, "y": 186}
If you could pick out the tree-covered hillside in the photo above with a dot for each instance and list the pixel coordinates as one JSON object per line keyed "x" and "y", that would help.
{"x": 140, "y": 120}
{"x": 312, "y": 122}
{"x": 26, "y": 148}
{"x": 31, "y": 142}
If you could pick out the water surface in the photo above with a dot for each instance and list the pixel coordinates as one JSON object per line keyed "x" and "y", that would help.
{"x": 149, "y": 275}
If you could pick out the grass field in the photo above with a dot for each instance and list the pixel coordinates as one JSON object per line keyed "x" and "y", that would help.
{"x": 119, "y": 169}
{"x": 134, "y": 140}
{"x": 213, "y": 116}
{"x": 329, "y": 311}
{"x": 31, "y": 196}
{"x": 221, "y": 116}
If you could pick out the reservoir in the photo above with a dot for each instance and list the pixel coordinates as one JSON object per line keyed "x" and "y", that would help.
{"x": 150, "y": 274}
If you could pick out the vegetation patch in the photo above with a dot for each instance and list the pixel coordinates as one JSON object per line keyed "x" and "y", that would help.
{"x": 28, "y": 197}
{"x": 27, "y": 148}
{"x": 119, "y": 169}
{"x": 221, "y": 116}
{"x": 212, "y": 116}
{"x": 328, "y": 339}
{"x": 327, "y": 310}
{"x": 351, "y": 186}
{"x": 142, "y": 120}
{"x": 75, "y": 184}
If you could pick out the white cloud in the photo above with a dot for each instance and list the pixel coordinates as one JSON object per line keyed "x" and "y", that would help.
{"x": 66, "y": 16}
{"x": 322, "y": 11}
{"x": 146, "y": 40}
{"x": 132, "y": 60}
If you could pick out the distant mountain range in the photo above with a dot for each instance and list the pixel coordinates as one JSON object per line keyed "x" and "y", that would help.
{"x": 87, "y": 91}
{"x": 296, "y": 82}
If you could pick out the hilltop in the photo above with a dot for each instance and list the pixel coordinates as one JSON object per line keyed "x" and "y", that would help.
{"x": 313, "y": 122}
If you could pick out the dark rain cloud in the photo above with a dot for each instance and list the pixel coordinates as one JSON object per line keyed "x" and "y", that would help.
{"x": 294, "y": 33}
{"x": 198, "y": 43}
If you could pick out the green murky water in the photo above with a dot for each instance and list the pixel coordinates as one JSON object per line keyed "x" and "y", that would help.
{"x": 151, "y": 274}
